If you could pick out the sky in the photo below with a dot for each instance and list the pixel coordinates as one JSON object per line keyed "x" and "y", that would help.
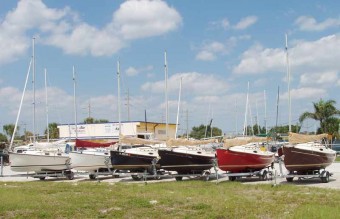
{"x": 214, "y": 47}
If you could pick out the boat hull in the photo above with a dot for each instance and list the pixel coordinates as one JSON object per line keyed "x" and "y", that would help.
{"x": 21, "y": 162}
{"x": 303, "y": 161}
{"x": 238, "y": 162}
{"x": 184, "y": 163}
{"x": 90, "y": 162}
{"x": 129, "y": 161}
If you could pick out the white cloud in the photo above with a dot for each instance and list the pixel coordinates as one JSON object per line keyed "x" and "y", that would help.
{"x": 305, "y": 93}
{"x": 64, "y": 29}
{"x": 246, "y": 22}
{"x": 138, "y": 19}
{"x": 308, "y": 23}
{"x": 210, "y": 50}
{"x": 305, "y": 56}
{"x": 319, "y": 78}
{"x": 259, "y": 59}
{"x": 132, "y": 71}
{"x": 196, "y": 83}
{"x": 224, "y": 24}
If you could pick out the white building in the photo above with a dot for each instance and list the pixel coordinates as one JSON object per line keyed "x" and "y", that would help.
{"x": 111, "y": 130}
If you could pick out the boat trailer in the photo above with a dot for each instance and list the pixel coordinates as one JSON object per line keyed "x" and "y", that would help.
{"x": 264, "y": 174}
{"x": 322, "y": 174}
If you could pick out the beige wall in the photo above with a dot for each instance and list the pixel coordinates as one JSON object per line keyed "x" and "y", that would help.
{"x": 111, "y": 130}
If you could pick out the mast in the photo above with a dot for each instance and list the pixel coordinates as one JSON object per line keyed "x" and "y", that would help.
{"x": 277, "y": 107}
{"x": 187, "y": 124}
{"x": 33, "y": 83}
{"x": 128, "y": 104}
{"x": 265, "y": 111}
{"x": 179, "y": 103}
{"x": 75, "y": 101}
{"x": 245, "y": 114}
{"x": 257, "y": 119}
{"x": 19, "y": 111}
{"x": 236, "y": 120}
{"x": 166, "y": 96}
{"x": 118, "y": 81}
{"x": 46, "y": 98}
{"x": 289, "y": 97}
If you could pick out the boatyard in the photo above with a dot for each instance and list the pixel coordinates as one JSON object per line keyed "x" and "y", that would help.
{"x": 334, "y": 182}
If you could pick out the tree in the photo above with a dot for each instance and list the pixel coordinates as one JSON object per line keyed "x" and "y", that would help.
{"x": 91, "y": 120}
{"x": 3, "y": 138}
{"x": 9, "y": 129}
{"x": 54, "y": 131}
{"x": 324, "y": 112}
{"x": 199, "y": 132}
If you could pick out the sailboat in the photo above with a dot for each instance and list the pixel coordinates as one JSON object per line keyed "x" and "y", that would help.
{"x": 186, "y": 156}
{"x": 243, "y": 155}
{"x": 305, "y": 154}
{"x": 40, "y": 158}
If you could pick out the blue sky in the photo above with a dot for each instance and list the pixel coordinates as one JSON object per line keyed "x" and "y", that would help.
{"x": 216, "y": 47}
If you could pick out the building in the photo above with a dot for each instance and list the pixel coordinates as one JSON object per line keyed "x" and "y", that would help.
{"x": 111, "y": 130}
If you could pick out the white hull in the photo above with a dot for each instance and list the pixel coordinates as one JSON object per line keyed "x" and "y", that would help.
{"x": 89, "y": 162}
{"x": 22, "y": 162}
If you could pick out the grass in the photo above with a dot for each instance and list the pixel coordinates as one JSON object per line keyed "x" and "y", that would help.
{"x": 337, "y": 159}
{"x": 187, "y": 199}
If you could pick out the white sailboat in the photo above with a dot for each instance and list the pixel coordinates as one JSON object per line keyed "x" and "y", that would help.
{"x": 38, "y": 157}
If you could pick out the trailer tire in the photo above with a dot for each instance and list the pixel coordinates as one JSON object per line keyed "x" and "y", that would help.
{"x": 179, "y": 178}
{"x": 264, "y": 176}
{"x": 137, "y": 177}
{"x": 42, "y": 178}
{"x": 289, "y": 179}
{"x": 92, "y": 176}
{"x": 232, "y": 178}
{"x": 70, "y": 175}
{"x": 325, "y": 178}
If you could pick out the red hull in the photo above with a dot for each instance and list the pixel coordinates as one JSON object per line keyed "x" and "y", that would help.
{"x": 303, "y": 161}
{"x": 238, "y": 162}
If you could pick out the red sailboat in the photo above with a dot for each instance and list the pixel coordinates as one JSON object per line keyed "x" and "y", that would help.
{"x": 307, "y": 155}
{"x": 243, "y": 158}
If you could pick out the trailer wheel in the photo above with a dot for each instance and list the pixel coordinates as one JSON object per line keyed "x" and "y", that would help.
{"x": 137, "y": 177}
{"x": 92, "y": 176}
{"x": 42, "y": 178}
{"x": 232, "y": 178}
{"x": 179, "y": 178}
{"x": 289, "y": 179}
{"x": 325, "y": 178}
{"x": 264, "y": 175}
{"x": 70, "y": 175}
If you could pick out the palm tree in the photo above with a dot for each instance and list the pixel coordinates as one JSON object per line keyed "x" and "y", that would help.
{"x": 324, "y": 111}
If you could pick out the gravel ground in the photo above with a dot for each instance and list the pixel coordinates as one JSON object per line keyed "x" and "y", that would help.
{"x": 334, "y": 183}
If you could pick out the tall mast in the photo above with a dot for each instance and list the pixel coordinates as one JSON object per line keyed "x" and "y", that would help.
{"x": 46, "y": 98}
{"x": 245, "y": 114}
{"x": 236, "y": 120}
{"x": 265, "y": 111}
{"x": 33, "y": 83}
{"x": 179, "y": 103}
{"x": 75, "y": 101}
{"x": 21, "y": 101}
{"x": 277, "y": 107}
{"x": 118, "y": 81}
{"x": 289, "y": 97}
{"x": 166, "y": 96}
{"x": 257, "y": 119}
{"x": 128, "y": 104}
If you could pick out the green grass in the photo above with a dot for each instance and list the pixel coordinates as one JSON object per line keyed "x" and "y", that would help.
{"x": 187, "y": 199}
{"x": 337, "y": 159}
